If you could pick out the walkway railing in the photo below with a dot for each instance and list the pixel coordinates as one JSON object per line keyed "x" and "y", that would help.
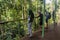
{"x": 15, "y": 29}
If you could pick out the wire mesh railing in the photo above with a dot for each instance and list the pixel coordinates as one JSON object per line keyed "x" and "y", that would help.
{"x": 14, "y": 30}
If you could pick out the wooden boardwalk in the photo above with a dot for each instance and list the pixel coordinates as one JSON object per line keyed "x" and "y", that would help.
{"x": 51, "y": 34}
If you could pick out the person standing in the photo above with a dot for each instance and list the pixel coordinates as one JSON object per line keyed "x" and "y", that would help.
{"x": 54, "y": 18}
{"x": 48, "y": 16}
{"x": 30, "y": 20}
{"x": 40, "y": 15}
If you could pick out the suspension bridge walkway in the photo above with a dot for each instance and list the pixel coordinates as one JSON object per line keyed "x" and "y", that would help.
{"x": 52, "y": 33}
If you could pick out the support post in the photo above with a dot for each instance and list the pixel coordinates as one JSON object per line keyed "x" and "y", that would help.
{"x": 43, "y": 19}
{"x": 55, "y": 2}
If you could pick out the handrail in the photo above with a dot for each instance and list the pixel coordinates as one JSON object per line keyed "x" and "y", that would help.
{"x": 2, "y": 22}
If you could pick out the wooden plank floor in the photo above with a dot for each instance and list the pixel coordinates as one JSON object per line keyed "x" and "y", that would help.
{"x": 51, "y": 34}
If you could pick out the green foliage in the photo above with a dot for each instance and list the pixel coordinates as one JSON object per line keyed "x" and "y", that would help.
{"x": 16, "y": 10}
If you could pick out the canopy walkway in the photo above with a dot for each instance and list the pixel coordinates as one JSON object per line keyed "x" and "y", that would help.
{"x": 50, "y": 34}
{"x": 14, "y": 20}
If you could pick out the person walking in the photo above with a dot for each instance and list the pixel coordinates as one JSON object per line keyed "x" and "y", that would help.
{"x": 30, "y": 20}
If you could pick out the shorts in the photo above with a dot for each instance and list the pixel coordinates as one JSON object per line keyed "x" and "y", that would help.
{"x": 46, "y": 20}
{"x": 41, "y": 22}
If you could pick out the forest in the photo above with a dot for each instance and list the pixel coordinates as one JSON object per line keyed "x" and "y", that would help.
{"x": 14, "y": 13}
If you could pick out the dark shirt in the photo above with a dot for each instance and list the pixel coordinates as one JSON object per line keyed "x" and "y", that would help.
{"x": 41, "y": 17}
{"x": 31, "y": 17}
